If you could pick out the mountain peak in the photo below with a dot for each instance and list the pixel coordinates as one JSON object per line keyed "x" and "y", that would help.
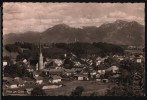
{"x": 120, "y": 21}
{"x": 61, "y": 26}
{"x": 134, "y": 22}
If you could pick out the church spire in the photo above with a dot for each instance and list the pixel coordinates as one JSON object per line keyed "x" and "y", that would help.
{"x": 40, "y": 46}
{"x": 41, "y": 65}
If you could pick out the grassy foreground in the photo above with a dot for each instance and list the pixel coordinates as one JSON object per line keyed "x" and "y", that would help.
{"x": 89, "y": 87}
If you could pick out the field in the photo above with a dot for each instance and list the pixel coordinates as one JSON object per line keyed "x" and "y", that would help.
{"x": 89, "y": 87}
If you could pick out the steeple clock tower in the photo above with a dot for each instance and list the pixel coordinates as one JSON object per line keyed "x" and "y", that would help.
{"x": 41, "y": 65}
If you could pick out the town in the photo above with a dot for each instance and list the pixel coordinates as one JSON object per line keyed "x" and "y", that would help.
{"x": 68, "y": 73}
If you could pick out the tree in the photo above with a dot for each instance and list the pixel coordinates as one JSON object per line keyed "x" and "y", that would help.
{"x": 11, "y": 48}
{"x": 68, "y": 64}
{"x": 17, "y": 70}
{"x": 38, "y": 91}
{"x": 78, "y": 91}
{"x": 110, "y": 61}
{"x": 131, "y": 80}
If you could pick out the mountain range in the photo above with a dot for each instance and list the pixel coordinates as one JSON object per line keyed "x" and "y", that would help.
{"x": 119, "y": 32}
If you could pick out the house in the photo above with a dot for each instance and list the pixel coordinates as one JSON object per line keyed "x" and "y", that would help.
{"x": 58, "y": 67}
{"x": 86, "y": 70}
{"x": 58, "y": 62}
{"x": 7, "y": 79}
{"x": 28, "y": 80}
{"x": 120, "y": 58}
{"x": 5, "y": 63}
{"x": 55, "y": 79}
{"x": 77, "y": 69}
{"x": 36, "y": 74}
{"x": 101, "y": 71}
{"x": 116, "y": 75}
{"x": 39, "y": 80}
{"x": 138, "y": 59}
{"x": 30, "y": 69}
{"x": 21, "y": 83}
{"x": 25, "y": 61}
{"x": 93, "y": 72}
{"x": 56, "y": 71}
{"x": 76, "y": 63}
{"x": 114, "y": 69}
{"x": 13, "y": 84}
{"x": 17, "y": 78}
{"x": 81, "y": 77}
{"x": 54, "y": 63}
{"x": 69, "y": 72}
{"x": 98, "y": 62}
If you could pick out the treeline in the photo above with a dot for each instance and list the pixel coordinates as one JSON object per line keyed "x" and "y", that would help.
{"x": 101, "y": 49}
{"x": 57, "y": 50}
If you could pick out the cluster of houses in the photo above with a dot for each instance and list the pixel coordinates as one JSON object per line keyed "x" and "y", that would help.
{"x": 54, "y": 76}
{"x": 49, "y": 78}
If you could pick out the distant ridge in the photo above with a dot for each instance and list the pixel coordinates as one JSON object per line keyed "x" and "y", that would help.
{"x": 119, "y": 32}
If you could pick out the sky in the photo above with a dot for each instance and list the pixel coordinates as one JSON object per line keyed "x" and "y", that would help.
{"x": 23, "y": 17}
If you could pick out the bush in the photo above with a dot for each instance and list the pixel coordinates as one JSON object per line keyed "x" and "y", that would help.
{"x": 38, "y": 91}
{"x": 78, "y": 91}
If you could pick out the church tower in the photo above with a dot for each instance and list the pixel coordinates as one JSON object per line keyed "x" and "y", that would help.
{"x": 40, "y": 63}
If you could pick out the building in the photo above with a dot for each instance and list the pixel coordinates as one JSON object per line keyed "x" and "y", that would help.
{"x": 55, "y": 79}
{"x": 39, "y": 80}
{"x": 40, "y": 63}
{"x": 13, "y": 84}
{"x": 69, "y": 72}
{"x": 5, "y": 63}
{"x": 7, "y": 79}
{"x": 36, "y": 74}
{"x": 114, "y": 69}
{"x": 28, "y": 80}
{"x": 139, "y": 59}
{"x": 81, "y": 77}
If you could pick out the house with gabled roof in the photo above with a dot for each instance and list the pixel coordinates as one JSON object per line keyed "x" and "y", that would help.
{"x": 39, "y": 80}
{"x": 36, "y": 74}
{"x": 56, "y": 71}
{"x": 16, "y": 83}
{"x": 28, "y": 80}
{"x": 81, "y": 77}
{"x": 114, "y": 69}
{"x": 69, "y": 72}
{"x": 55, "y": 79}
{"x": 7, "y": 79}
{"x": 13, "y": 84}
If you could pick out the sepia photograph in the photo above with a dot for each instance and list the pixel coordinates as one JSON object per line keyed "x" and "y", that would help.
{"x": 73, "y": 49}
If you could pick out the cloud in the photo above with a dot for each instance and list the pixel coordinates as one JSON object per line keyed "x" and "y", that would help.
{"x": 117, "y": 14}
{"x": 21, "y": 17}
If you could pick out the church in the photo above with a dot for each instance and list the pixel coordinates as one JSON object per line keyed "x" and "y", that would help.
{"x": 40, "y": 64}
